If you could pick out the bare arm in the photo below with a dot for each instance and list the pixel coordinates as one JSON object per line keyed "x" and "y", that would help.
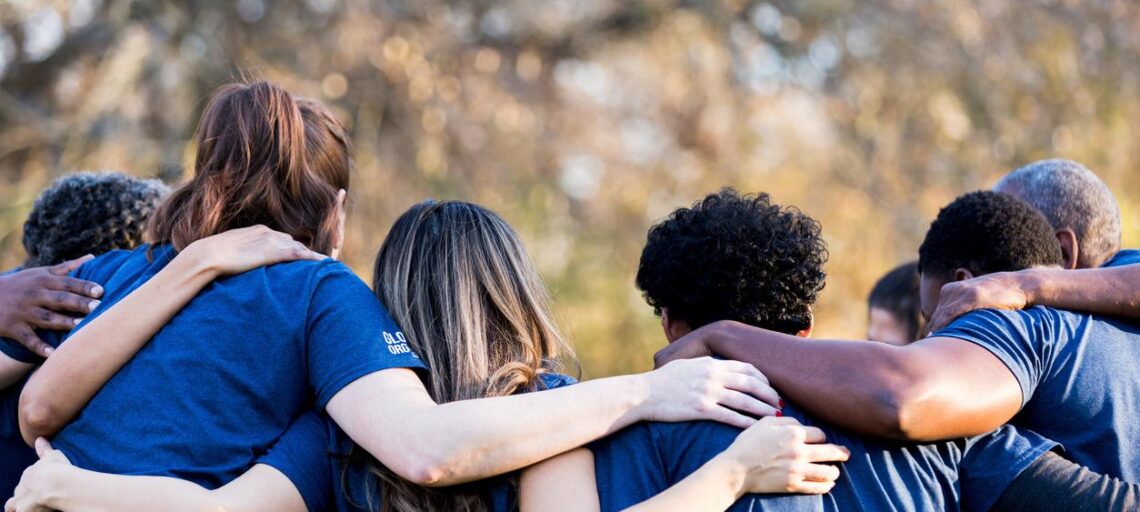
{"x": 391, "y": 415}
{"x": 79, "y": 368}
{"x": 775, "y": 455}
{"x": 1113, "y": 291}
{"x": 565, "y": 482}
{"x": 55, "y": 484}
{"x": 12, "y": 370}
{"x": 938, "y": 388}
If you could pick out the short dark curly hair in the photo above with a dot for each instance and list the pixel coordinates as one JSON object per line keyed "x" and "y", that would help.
{"x": 89, "y": 213}
{"x": 986, "y": 232}
{"x": 735, "y": 257}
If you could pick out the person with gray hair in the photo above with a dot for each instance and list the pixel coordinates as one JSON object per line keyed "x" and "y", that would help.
{"x": 89, "y": 213}
{"x": 80, "y": 215}
{"x": 1086, "y": 220}
{"x": 1078, "y": 205}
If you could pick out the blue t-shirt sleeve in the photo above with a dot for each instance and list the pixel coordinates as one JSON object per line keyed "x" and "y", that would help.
{"x": 1122, "y": 258}
{"x": 628, "y": 467}
{"x": 1014, "y": 337}
{"x": 302, "y": 454}
{"x": 550, "y": 381}
{"x": 350, "y": 334}
{"x": 992, "y": 461}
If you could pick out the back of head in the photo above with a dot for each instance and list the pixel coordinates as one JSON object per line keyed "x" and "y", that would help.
{"x": 897, "y": 293}
{"x": 259, "y": 162}
{"x": 89, "y": 213}
{"x": 459, "y": 283}
{"x": 985, "y": 232}
{"x": 735, "y": 257}
{"x": 1070, "y": 197}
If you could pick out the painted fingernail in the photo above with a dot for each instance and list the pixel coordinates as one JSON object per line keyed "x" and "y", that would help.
{"x": 92, "y": 305}
{"x": 781, "y": 403}
{"x": 779, "y": 413}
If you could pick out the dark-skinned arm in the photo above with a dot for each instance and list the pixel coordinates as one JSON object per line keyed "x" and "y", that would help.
{"x": 939, "y": 388}
{"x": 1112, "y": 291}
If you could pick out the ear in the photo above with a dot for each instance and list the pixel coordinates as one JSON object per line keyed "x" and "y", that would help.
{"x": 962, "y": 274}
{"x": 1070, "y": 248}
{"x": 674, "y": 329}
{"x": 341, "y": 215}
{"x": 806, "y": 333}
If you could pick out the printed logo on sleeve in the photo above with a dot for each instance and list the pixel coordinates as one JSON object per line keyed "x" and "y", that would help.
{"x": 398, "y": 344}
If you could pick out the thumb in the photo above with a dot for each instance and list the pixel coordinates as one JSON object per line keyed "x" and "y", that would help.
{"x": 42, "y": 447}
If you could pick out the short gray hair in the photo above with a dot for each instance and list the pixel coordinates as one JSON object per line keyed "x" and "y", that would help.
{"x": 1070, "y": 196}
{"x": 89, "y": 213}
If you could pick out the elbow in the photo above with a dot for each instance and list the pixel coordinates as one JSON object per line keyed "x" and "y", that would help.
{"x": 895, "y": 413}
{"x": 424, "y": 471}
{"x": 429, "y": 476}
{"x": 37, "y": 419}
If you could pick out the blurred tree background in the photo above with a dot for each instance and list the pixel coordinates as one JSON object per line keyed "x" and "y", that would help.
{"x": 585, "y": 121}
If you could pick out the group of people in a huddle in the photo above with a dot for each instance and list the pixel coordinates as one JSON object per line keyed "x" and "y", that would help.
{"x": 215, "y": 355}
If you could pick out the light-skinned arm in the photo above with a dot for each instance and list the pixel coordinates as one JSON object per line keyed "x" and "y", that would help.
{"x": 933, "y": 389}
{"x": 76, "y": 371}
{"x": 1113, "y": 291}
{"x": 391, "y": 415}
{"x": 54, "y": 484}
{"x": 777, "y": 455}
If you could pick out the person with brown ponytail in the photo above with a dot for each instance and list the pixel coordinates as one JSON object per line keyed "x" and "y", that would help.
{"x": 220, "y": 374}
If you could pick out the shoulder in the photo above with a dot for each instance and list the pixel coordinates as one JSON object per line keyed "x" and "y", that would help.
{"x": 327, "y": 268}
{"x": 327, "y": 282}
{"x": 106, "y": 265}
{"x": 1123, "y": 257}
{"x": 548, "y": 381}
{"x": 1026, "y": 323}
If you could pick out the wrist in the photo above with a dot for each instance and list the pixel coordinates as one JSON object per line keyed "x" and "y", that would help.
{"x": 637, "y": 396}
{"x": 55, "y": 482}
{"x": 730, "y": 472}
{"x": 1033, "y": 285}
{"x": 193, "y": 262}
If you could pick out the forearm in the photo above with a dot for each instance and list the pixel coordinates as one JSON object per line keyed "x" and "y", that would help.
{"x": 77, "y": 490}
{"x": 420, "y": 441}
{"x": 1055, "y": 484}
{"x": 713, "y": 487}
{"x": 1106, "y": 291}
{"x": 11, "y": 371}
{"x": 920, "y": 392}
{"x": 92, "y": 355}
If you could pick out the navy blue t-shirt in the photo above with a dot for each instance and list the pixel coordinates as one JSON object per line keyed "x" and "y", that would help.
{"x": 313, "y": 454}
{"x": 1079, "y": 376}
{"x": 15, "y": 454}
{"x": 645, "y": 459}
{"x": 1123, "y": 257}
{"x": 220, "y": 383}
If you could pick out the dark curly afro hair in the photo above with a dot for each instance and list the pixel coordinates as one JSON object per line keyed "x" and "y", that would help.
{"x": 735, "y": 257}
{"x": 986, "y": 232}
{"x": 89, "y": 213}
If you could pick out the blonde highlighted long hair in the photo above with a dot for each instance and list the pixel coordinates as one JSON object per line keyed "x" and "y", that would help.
{"x": 457, "y": 280}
